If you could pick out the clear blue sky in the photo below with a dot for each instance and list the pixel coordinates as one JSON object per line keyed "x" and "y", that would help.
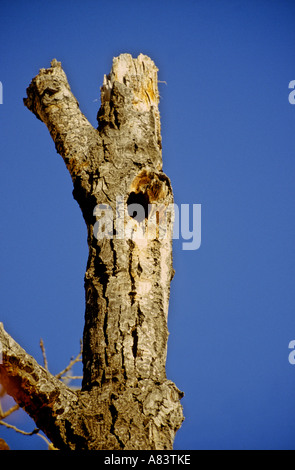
{"x": 228, "y": 144}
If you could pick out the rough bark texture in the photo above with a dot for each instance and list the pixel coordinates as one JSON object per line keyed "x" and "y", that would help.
{"x": 126, "y": 401}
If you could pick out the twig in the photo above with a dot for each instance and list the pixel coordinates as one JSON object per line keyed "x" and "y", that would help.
{"x": 4, "y": 414}
{"x": 31, "y": 433}
{"x": 72, "y": 377}
{"x": 44, "y": 354}
{"x": 50, "y": 445}
{"x": 10, "y": 426}
{"x": 70, "y": 365}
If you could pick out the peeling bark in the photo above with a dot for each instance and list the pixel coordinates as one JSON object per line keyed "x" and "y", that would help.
{"x": 126, "y": 401}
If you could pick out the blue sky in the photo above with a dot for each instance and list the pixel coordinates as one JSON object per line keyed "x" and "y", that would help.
{"x": 228, "y": 144}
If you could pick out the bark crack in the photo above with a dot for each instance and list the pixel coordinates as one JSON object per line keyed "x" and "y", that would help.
{"x": 132, "y": 292}
{"x": 114, "y": 414}
{"x": 135, "y": 342}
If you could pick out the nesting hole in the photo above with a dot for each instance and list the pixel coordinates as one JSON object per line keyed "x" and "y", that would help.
{"x": 138, "y": 206}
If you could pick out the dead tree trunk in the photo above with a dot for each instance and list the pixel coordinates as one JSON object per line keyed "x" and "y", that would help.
{"x": 126, "y": 401}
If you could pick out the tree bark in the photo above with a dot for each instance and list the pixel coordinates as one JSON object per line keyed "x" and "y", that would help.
{"x": 126, "y": 401}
